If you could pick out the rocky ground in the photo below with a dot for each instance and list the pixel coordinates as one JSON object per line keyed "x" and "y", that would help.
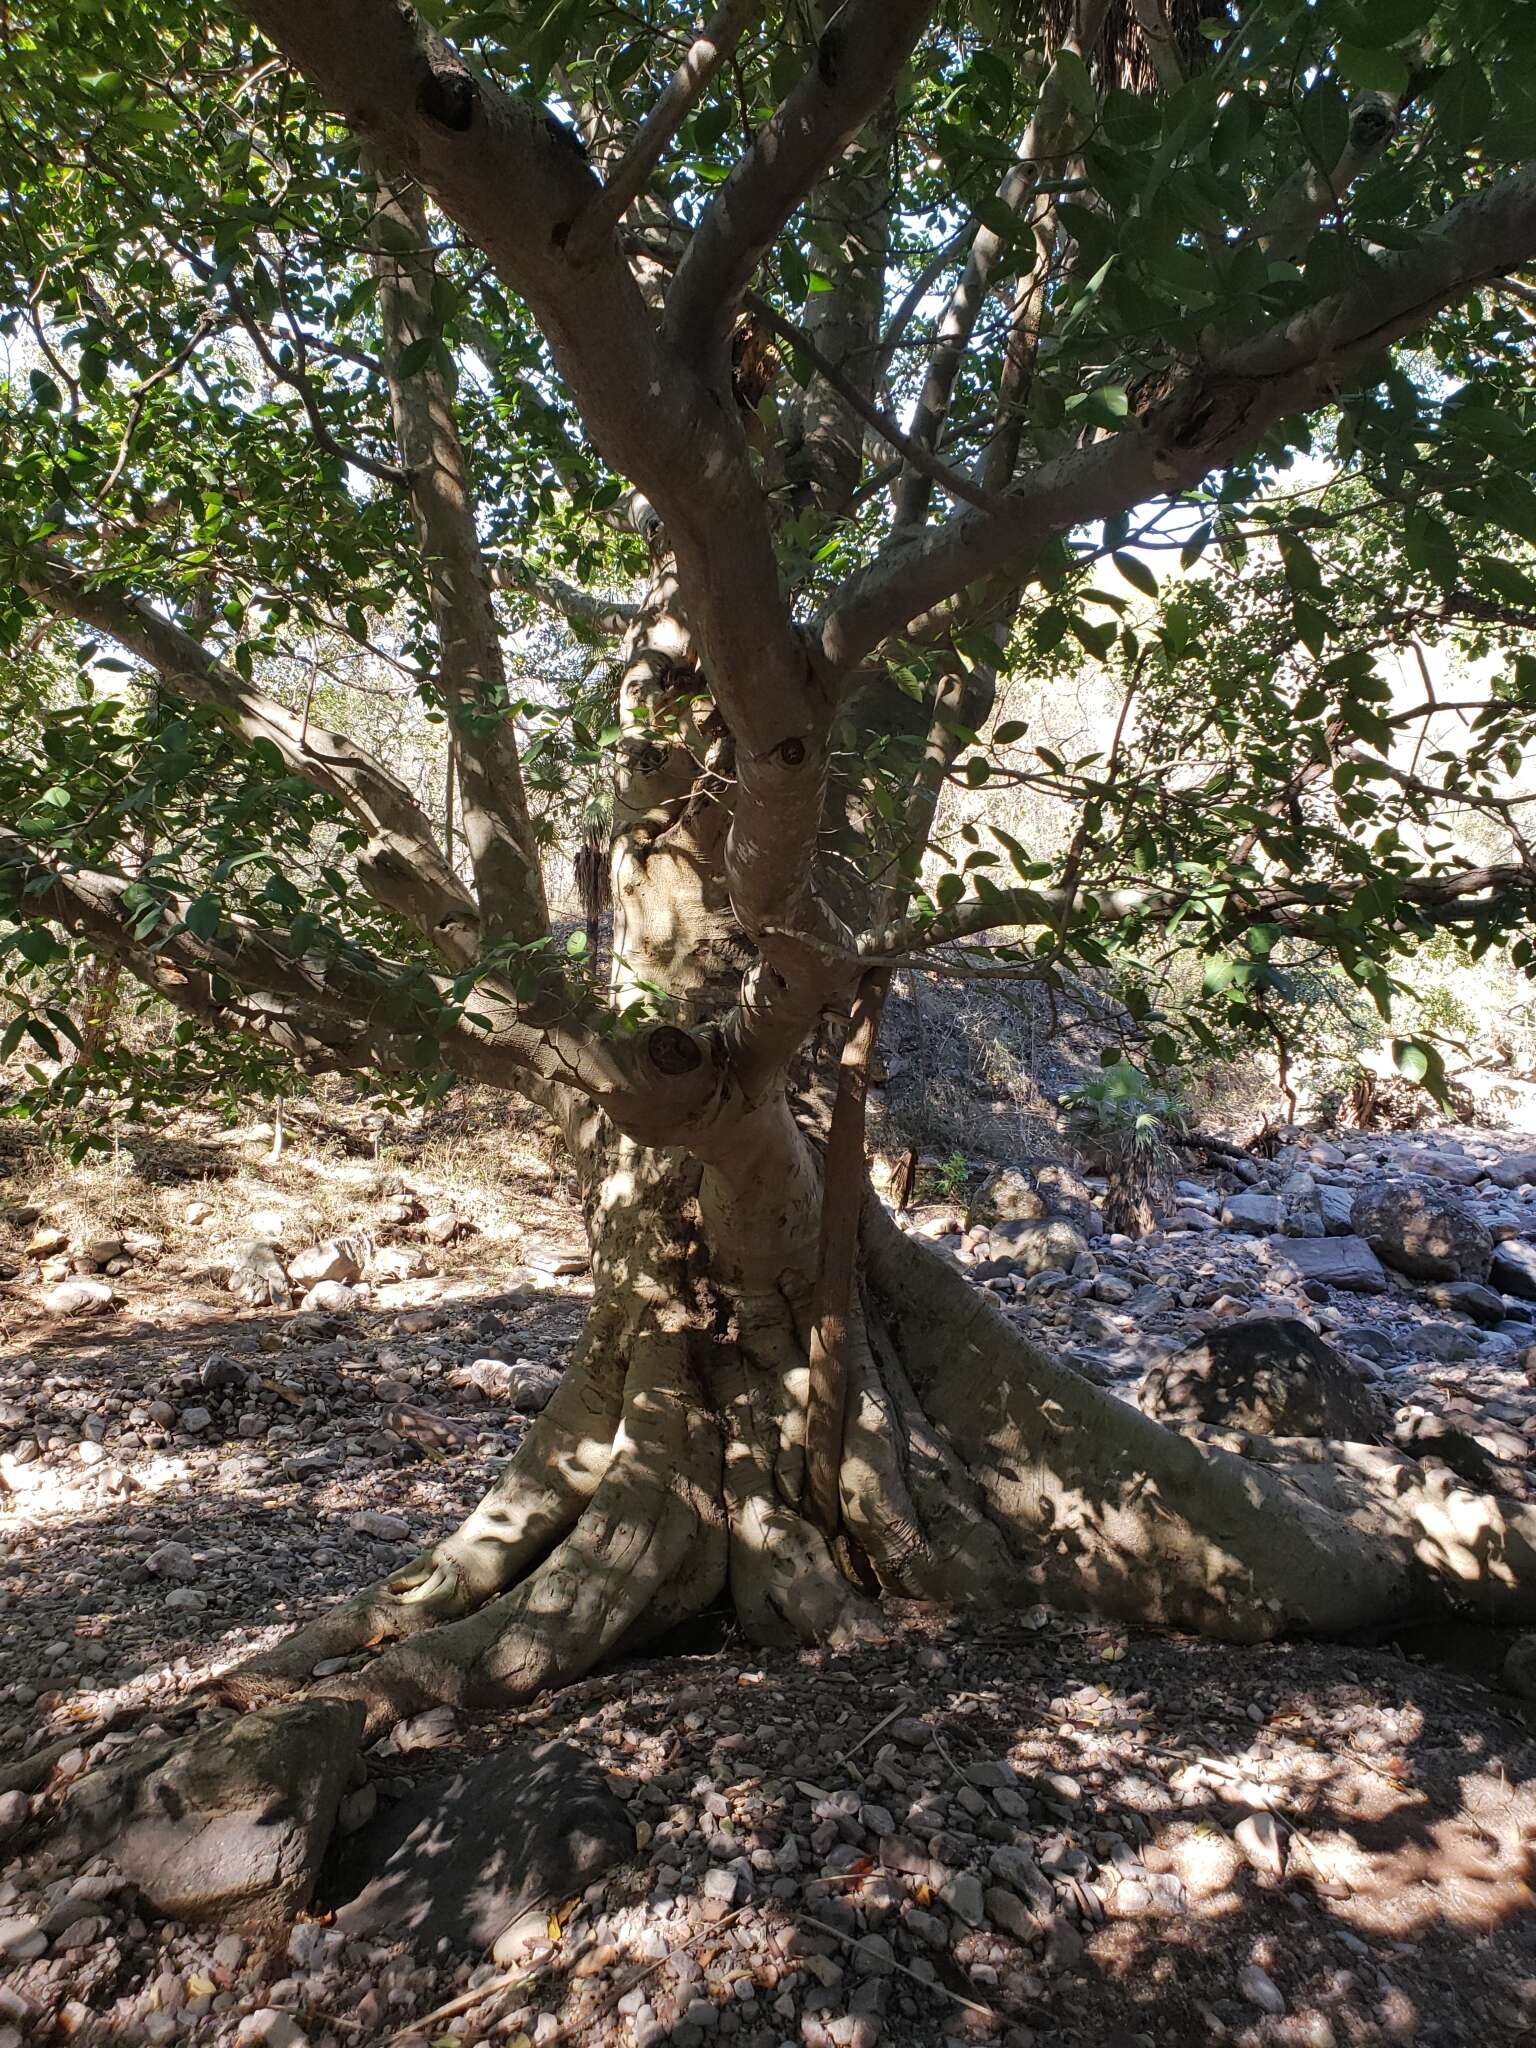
{"x": 1042, "y": 1830}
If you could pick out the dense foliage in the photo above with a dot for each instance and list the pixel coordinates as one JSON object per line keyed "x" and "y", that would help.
{"x": 196, "y": 419}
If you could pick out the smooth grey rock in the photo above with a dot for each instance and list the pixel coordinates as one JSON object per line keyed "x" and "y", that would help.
{"x": 1252, "y": 1212}
{"x": 1260, "y": 1989}
{"x": 1347, "y": 1263}
{"x": 227, "y": 1826}
{"x": 1517, "y": 1171}
{"x": 1513, "y": 1268}
{"x": 1272, "y": 1376}
{"x": 461, "y": 1858}
{"x": 1423, "y": 1230}
{"x": 1337, "y": 1205}
{"x": 1467, "y": 1298}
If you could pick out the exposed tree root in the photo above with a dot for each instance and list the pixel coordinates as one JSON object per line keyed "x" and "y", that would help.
{"x": 1235, "y": 1536}
{"x": 671, "y": 1467}
{"x": 651, "y": 1534}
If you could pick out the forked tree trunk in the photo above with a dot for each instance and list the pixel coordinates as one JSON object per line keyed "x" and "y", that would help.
{"x": 668, "y": 1474}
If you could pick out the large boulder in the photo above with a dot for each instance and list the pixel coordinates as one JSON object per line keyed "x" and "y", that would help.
{"x": 1424, "y": 1230}
{"x": 1271, "y": 1376}
{"x": 1041, "y": 1247}
{"x": 228, "y": 1826}
{"x": 462, "y": 1858}
{"x": 1067, "y": 1194}
{"x": 1251, "y": 1211}
{"x": 256, "y": 1275}
{"x": 1347, "y": 1263}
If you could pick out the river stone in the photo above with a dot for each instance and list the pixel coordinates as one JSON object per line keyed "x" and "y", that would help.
{"x": 1467, "y": 1298}
{"x": 1513, "y": 1269}
{"x": 1256, "y": 1214}
{"x": 1042, "y": 1247}
{"x": 228, "y": 1826}
{"x": 79, "y": 1298}
{"x": 1344, "y": 1262}
{"x": 256, "y": 1275}
{"x": 1271, "y": 1376}
{"x": 1423, "y": 1230}
{"x": 1517, "y": 1171}
{"x": 461, "y": 1858}
{"x": 338, "y": 1258}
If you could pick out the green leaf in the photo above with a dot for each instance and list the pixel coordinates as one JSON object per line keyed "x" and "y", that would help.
{"x": 204, "y": 914}
{"x": 1462, "y": 102}
{"x": 1136, "y": 573}
{"x": 415, "y": 356}
{"x": 575, "y": 944}
{"x": 1070, "y": 74}
{"x": 39, "y": 1033}
{"x": 1418, "y": 1061}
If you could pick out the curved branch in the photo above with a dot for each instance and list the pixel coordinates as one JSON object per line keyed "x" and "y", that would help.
{"x": 858, "y": 57}
{"x": 403, "y": 864}
{"x": 386, "y": 472}
{"x": 605, "y": 617}
{"x": 1219, "y": 409}
{"x": 688, "y": 84}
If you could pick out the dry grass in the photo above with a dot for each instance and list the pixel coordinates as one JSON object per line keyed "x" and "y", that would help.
{"x": 487, "y": 1158}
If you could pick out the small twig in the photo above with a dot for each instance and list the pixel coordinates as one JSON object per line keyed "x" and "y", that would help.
{"x": 928, "y": 1984}
{"x": 869, "y": 1736}
{"x": 462, "y": 2003}
{"x": 572, "y": 2027}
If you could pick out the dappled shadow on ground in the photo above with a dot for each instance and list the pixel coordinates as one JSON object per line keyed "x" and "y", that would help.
{"x": 1403, "y": 1799}
{"x": 355, "y": 1419}
{"x": 1402, "y": 1804}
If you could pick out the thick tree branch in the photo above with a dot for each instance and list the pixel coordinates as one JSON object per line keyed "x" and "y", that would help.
{"x": 471, "y": 675}
{"x": 588, "y": 615}
{"x": 1216, "y": 412}
{"x": 402, "y": 865}
{"x": 687, "y": 86}
{"x": 359, "y": 1010}
{"x": 858, "y": 57}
